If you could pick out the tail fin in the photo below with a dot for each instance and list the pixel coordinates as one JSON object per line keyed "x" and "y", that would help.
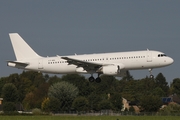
{"x": 21, "y": 49}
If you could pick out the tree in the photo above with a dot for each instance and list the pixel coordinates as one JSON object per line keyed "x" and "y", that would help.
{"x": 128, "y": 76}
{"x": 9, "y": 93}
{"x": 2, "y": 83}
{"x": 120, "y": 85}
{"x": 54, "y": 79}
{"x": 64, "y": 92}
{"x": 54, "y": 105}
{"x": 80, "y": 104}
{"x": 84, "y": 87}
{"x": 35, "y": 98}
{"x": 159, "y": 92}
{"x": 150, "y": 103}
{"x": 46, "y": 77}
{"x": 9, "y": 107}
{"x": 105, "y": 105}
{"x": 14, "y": 78}
{"x": 45, "y": 105}
{"x": 116, "y": 101}
{"x": 35, "y": 77}
{"x": 108, "y": 82}
{"x": 94, "y": 100}
{"x": 176, "y": 86}
{"x": 24, "y": 86}
{"x": 142, "y": 87}
{"x": 29, "y": 101}
{"x": 10, "y": 97}
{"x": 146, "y": 85}
{"x": 129, "y": 91}
{"x": 26, "y": 82}
{"x": 161, "y": 82}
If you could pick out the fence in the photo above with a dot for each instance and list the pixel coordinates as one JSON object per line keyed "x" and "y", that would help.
{"x": 120, "y": 113}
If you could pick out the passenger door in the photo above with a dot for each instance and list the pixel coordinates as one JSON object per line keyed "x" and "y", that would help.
{"x": 149, "y": 56}
{"x": 40, "y": 63}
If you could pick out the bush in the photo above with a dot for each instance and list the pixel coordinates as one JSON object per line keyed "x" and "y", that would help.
{"x": 131, "y": 109}
{"x": 80, "y": 104}
{"x": 9, "y": 107}
{"x": 171, "y": 109}
{"x": 54, "y": 105}
{"x": 105, "y": 105}
{"x": 36, "y": 111}
{"x": 45, "y": 105}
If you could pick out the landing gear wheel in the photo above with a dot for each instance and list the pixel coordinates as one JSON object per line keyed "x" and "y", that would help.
{"x": 152, "y": 76}
{"x": 98, "y": 80}
{"x": 91, "y": 79}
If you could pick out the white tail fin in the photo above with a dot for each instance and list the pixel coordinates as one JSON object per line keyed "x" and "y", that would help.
{"x": 21, "y": 49}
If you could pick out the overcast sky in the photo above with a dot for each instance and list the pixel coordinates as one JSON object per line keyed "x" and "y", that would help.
{"x": 65, "y": 27}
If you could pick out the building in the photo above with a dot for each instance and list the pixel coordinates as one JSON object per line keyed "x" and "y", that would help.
{"x": 1, "y": 100}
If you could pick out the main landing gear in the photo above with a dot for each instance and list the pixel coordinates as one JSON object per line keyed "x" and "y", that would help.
{"x": 151, "y": 76}
{"x": 92, "y": 79}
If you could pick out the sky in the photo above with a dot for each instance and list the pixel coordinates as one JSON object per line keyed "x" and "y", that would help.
{"x": 66, "y": 27}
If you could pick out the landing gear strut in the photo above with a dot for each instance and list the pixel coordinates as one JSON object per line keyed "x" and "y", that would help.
{"x": 150, "y": 71}
{"x": 92, "y": 79}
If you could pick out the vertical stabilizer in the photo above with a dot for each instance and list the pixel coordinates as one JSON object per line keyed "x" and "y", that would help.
{"x": 21, "y": 49}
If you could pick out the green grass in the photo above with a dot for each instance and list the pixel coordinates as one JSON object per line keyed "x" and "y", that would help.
{"x": 89, "y": 117}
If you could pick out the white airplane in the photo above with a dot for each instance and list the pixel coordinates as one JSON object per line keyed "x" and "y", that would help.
{"x": 116, "y": 64}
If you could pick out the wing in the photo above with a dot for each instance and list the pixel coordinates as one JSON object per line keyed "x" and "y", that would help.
{"x": 88, "y": 66}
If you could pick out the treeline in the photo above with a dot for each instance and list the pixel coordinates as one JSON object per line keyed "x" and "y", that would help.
{"x": 74, "y": 92}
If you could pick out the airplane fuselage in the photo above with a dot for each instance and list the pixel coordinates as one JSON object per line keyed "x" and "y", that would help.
{"x": 130, "y": 61}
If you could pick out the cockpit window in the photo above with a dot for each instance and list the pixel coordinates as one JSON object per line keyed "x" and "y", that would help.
{"x": 161, "y": 55}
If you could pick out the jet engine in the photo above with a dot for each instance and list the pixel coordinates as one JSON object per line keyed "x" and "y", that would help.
{"x": 112, "y": 69}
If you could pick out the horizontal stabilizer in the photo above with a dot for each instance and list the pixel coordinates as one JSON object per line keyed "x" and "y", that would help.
{"x": 17, "y": 63}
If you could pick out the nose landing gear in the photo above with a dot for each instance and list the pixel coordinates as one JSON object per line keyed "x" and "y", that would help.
{"x": 151, "y": 76}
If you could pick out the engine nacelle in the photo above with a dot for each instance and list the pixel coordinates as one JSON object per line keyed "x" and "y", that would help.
{"x": 111, "y": 70}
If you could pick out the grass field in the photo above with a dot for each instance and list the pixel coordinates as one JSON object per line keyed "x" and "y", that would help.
{"x": 89, "y": 117}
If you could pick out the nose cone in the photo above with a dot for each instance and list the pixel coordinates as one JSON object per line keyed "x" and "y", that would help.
{"x": 170, "y": 61}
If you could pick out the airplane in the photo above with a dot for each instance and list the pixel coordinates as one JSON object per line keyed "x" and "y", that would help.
{"x": 115, "y": 63}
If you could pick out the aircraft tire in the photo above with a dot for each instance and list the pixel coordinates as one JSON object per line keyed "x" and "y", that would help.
{"x": 152, "y": 76}
{"x": 98, "y": 80}
{"x": 91, "y": 79}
